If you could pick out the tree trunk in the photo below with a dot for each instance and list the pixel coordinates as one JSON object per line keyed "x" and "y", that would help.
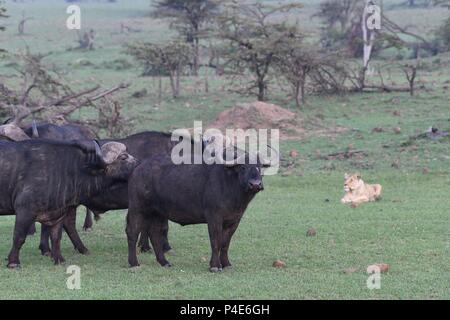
{"x": 172, "y": 77}
{"x": 21, "y": 27}
{"x": 206, "y": 81}
{"x": 261, "y": 90}
{"x": 177, "y": 82}
{"x": 299, "y": 91}
{"x": 196, "y": 55}
{"x": 159, "y": 89}
{"x": 412, "y": 80}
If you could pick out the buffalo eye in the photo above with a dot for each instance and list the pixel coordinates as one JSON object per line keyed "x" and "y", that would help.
{"x": 123, "y": 156}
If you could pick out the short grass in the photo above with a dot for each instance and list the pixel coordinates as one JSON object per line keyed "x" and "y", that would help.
{"x": 407, "y": 229}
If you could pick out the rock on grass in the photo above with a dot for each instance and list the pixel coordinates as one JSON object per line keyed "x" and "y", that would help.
{"x": 382, "y": 266}
{"x": 279, "y": 264}
{"x": 311, "y": 232}
{"x": 350, "y": 270}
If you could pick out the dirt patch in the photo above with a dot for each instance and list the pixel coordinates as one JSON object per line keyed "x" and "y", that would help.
{"x": 261, "y": 115}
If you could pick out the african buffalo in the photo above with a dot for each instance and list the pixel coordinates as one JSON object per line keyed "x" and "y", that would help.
{"x": 42, "y": 179}
{"x": 65, "y": 132}
{"x": 215, "y": 194}
{"x": 142, "y": 146}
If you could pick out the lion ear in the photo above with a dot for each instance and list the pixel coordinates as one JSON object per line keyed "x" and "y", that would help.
{"x": 358, "y": 176}
{"x": 346, "y": 176}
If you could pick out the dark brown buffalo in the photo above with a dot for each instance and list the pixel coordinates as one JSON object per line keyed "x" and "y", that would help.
{"x": 216, "y": 194}
{"x": 66, "y": 132}
{"x": 142, "y": 146}
{"x": 42, "y": 179}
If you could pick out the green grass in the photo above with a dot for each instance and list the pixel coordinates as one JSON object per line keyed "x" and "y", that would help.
{"x": 407, "y": 229}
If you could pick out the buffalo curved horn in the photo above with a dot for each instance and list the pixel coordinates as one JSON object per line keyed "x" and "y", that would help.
{"x": 13, "y": 132}
{"x": 269, "y": 164}
{"x": 234, "y": 162}
{"x": 99, "y": 154}
{"x": 35, "y": 131}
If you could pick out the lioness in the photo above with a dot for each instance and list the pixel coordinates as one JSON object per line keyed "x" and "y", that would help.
{"x": 358, "y": 192}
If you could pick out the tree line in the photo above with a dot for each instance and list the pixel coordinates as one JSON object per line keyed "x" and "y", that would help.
{"x": 254, "y": 40}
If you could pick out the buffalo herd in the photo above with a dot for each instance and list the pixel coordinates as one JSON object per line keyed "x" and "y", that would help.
{"x": 48, "y": 170}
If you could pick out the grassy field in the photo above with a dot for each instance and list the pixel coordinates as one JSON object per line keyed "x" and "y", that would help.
{"x": 409, "y": 228}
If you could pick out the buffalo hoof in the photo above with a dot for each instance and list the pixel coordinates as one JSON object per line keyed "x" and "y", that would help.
{"x": 87, "y": 229}
{"x": 59, "y": 261}
{"x": 215, "y": 269}
{"x": 167, "y": 265}
{"x": 46, "y": 253}
{"x": 146, "y": 249}
{"x": 83, "y": 251}
{"x": 167, "y": 248}
{"x": 13, "y": 265}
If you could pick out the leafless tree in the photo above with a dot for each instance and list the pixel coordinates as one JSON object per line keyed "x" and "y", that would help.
{"x": 43, "y": 93}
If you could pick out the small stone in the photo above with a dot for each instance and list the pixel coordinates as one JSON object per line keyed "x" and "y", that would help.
{"x": 383, "y": 267}
{"x": 293, "y": 153}
{"x": 395, "y": 164}
{"x": 377, "y": 130}
{"x": 350, "y": 270}
{"x": 279, "y": 264}
{"x": 311, "y": 232}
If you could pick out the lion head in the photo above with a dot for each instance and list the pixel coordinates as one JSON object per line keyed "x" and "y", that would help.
{"x": 352, "y": 182}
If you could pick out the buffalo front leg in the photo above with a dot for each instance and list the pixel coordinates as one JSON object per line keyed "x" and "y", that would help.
{"x": 70, "y": 226}
{"x": 133, "y": 229}
{"x": 87, "y": 226}
{"x": 166, "y": 245}
{"x": 44, "y": 244}
{"x": 227, "y": 234}
{"x": 23, "y": 222}
{"x": 215, "y": 237}
{"x": 55, "y": 236}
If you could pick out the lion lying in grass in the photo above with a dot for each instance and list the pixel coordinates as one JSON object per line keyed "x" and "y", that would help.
{"x": 357, "y": 191}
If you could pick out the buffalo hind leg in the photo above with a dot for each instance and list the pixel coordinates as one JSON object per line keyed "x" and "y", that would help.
{"x": 144, "y": 243}
{"x": 227, "y": 234}
{"x": 87, "y": 226}
{"x": 215, "y": 237}
{"x": 55, "y": 236}
{"x": 70, "y": 226}
{"x": 32, "y": 229}
{"x": 44, "y": 244}
{"x": 23, "y": 222}
{"x": 156, "y": 227}
{"x": 133, "y": 229}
